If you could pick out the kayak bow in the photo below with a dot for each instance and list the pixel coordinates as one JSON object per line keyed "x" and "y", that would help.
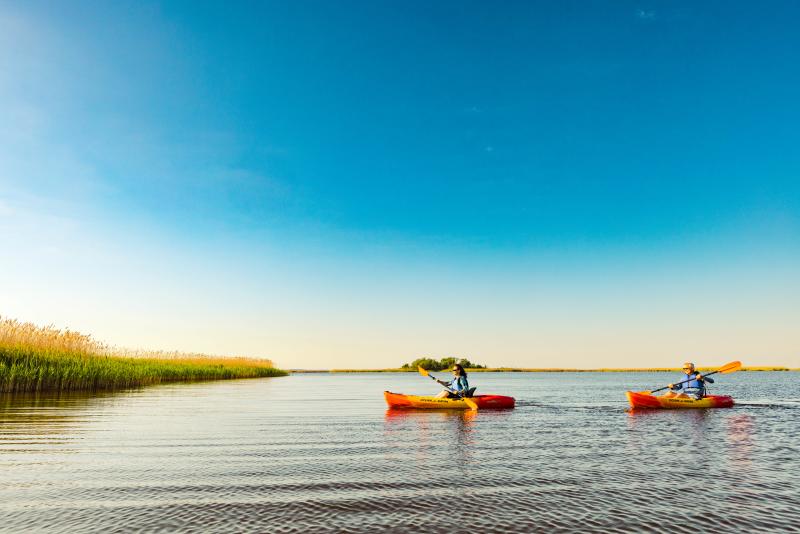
{"x": 398, "y": 400}
{"x": 642, "y": 400}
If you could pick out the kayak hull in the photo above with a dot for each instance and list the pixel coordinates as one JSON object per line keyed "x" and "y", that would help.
{"x": 642, "y": 400}
{"x": 484, "y": 402}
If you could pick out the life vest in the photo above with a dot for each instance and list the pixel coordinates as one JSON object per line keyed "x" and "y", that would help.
{"x": 694, "y": 384}
{"x": 459, "y": 383}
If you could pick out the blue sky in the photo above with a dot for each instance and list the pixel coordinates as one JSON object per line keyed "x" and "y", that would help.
{"x": 361, "y": 183}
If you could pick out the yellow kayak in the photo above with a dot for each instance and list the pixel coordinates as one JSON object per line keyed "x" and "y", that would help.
{"x": 398, "y": 400}
{"x": 644, "y": 400}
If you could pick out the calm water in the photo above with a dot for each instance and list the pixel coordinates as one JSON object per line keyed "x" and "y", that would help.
{"x": 321, "y": 453}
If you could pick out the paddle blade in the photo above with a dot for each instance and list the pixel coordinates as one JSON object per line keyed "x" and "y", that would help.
{"x": 422, "y": 371}
{"x": 471, "y": 403}
{"x": 730, "y": 367}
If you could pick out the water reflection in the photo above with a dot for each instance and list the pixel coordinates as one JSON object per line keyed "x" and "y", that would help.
{"x": 322, "y": 454}
{"x": 11, "y": 402}
{"x": 394, "y": 414}
{"x": 740, "y": 431}
{"x": 31, "y": 420}
{"x": 696, "y": 416}
{"x": 433, "y": 428}
{"x": 688, "y": 429}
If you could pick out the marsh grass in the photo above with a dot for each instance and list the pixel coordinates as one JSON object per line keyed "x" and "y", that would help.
{"x": 34, "y": 358}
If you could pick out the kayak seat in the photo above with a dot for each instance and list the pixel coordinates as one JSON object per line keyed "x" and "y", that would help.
{"x": 467, "y": 393}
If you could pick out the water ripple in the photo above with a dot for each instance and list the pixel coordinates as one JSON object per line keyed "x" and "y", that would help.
{"x": 322, "y": 454}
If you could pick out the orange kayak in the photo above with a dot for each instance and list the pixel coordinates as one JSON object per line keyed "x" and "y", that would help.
{"x": 398, "y": 400}
{"x": 643, "y": 400}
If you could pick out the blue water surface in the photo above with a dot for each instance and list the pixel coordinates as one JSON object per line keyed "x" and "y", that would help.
{"x": 322, "y": 453}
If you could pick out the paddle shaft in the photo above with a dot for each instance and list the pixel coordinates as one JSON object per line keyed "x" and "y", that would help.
{"x": 451, "y": 390}
{"x": 471, "y": 403}
{"x": 687, "y": 380}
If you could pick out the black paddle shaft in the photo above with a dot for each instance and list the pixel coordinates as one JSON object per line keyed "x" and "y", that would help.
{"x": 448, "y": 389}
{"x": 687, "y": 380}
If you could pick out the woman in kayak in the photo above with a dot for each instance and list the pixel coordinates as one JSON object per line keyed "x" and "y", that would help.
{"x": 458, "y": 386}
{"x": 695, "y": 387}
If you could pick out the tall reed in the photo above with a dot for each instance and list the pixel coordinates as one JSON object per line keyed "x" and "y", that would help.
{"x": 35, "y": 358}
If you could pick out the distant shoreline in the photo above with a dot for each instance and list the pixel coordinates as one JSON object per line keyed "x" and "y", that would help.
{"x": 546, "y": 370}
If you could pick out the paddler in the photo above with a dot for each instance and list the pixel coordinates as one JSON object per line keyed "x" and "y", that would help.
{"x": 458, "y": 386}
{"x": 695, "y": 387}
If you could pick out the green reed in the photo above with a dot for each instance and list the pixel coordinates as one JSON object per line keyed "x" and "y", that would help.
{"x": 45, "y": 359}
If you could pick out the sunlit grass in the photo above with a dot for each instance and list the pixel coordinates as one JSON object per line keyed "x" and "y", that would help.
{"x": 34, "y": 358}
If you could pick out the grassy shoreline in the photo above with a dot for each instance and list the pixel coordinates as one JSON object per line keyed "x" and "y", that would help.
{"x": 547, "y": 370}
{"x": 37, "y": 359}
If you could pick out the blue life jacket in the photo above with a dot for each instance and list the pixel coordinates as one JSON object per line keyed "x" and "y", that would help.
{"x": 459, "y": 384}
{"x": 693, "y": 385}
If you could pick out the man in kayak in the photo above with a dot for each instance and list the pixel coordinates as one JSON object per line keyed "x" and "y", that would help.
{"x": 695, "y": 387}
{"x": 458, "y": 386}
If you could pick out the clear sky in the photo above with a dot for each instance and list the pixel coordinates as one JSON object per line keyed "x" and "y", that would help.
{"x": 357, "y": 184}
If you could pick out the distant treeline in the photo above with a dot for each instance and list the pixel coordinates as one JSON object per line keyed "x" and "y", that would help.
{"x": 439, "y": 365}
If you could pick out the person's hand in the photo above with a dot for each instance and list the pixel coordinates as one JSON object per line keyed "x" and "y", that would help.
{"x": 671, "y": 386}
{"x": 699, "y": 378}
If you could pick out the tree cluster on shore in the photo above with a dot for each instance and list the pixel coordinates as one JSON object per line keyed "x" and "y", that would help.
{"x": 432, "y": 364}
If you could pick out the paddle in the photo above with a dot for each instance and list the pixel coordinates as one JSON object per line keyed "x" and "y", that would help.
{"x": 727, "y": 368}
{"x": 471, "y": 403}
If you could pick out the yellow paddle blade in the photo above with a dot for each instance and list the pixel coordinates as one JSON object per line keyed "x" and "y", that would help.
{"x": 471, "y": 403}
{"x": 422, "y": 371}
{"x": 730, "y": 367}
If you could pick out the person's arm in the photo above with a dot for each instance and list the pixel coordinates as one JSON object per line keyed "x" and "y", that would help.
{"x": 705, "y": 379}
